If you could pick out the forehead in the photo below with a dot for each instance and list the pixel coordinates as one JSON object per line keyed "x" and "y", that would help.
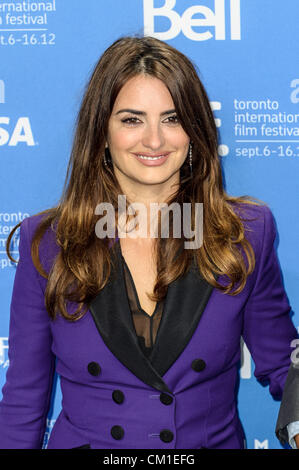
{"x": 144, "y": 90}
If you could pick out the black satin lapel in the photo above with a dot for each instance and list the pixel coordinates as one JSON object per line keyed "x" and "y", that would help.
{"x": 111, "y": 312}
{"x": 184, "y": 305}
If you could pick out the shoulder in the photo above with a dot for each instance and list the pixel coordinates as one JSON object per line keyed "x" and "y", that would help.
{"x": 258, "y": 222}
{"x": 252, "y": 212}
{"x": 31, "y": 223}
{"x": 254, "y": 216}
{"x": 48, "y": 247}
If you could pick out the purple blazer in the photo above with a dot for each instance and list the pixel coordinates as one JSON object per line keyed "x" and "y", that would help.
{"x": 113, "y": 396}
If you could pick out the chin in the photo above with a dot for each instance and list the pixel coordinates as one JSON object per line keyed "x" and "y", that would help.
{"x": 158, "y": 179}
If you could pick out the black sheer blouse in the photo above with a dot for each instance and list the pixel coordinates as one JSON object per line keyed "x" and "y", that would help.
{"x": 146, "y": 326}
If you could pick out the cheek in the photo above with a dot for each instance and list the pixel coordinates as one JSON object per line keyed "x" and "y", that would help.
{"x": 179, "y": 138}
{"x": 123, "y": 139}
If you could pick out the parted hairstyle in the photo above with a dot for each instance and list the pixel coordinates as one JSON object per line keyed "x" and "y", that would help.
{"x": 84, "y": 261}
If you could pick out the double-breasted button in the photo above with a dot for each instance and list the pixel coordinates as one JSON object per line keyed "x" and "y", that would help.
{"x": 166, "y": 435}
{"x": 118, "y": 396}
{"x": 198, "y": 365}
{"x": 117, "y": 432}
{"x": 166, "y": 399}
{"x": 94, "y": 368}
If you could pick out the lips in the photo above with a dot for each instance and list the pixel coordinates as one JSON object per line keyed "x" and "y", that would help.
{"x": 153, "y": 155}
{"x": 150, "y": 159}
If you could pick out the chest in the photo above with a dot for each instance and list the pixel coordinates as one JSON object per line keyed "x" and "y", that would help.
{"x": 140, "y": 261}
{"x": 111, "y": 344}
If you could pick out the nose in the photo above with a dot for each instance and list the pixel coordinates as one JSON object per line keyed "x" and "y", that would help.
{"x": 153, "y": 137}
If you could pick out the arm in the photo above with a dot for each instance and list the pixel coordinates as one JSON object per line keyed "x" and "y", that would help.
{"x": 268, "y": 330}
{"x": 286, "y": 428}
{"x": 27, "y": 391}
{"x": 293, "y": 430}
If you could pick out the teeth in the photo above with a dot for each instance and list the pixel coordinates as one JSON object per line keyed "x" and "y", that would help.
{"x": 150, "y": 158}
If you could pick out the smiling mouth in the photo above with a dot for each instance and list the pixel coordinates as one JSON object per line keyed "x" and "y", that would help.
{"x": 143, "y": 157}
{"x": 152, "y": 157}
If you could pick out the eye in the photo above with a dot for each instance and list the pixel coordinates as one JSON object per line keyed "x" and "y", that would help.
{"x": 173, "y": 119}
{"x": 130, "y": 120}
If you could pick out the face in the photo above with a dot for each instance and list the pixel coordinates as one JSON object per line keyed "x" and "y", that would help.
{"x": 147, "y": 143}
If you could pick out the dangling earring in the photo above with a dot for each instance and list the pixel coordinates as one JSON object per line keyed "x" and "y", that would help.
{"x": 106, "y": 156}
{"x": 190, "y": 158}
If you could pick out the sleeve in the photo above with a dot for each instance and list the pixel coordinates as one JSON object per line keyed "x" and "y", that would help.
{"x": 289, "y": 408}
{"x": 268, "y": 329}
{"x": 27, "y": 390}
{"x": 293, "y": 430}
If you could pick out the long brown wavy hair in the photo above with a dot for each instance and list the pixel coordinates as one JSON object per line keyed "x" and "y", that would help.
{"x": 84, "y": 262}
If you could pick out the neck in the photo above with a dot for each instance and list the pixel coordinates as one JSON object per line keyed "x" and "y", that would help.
{"x": 144, "y": 200}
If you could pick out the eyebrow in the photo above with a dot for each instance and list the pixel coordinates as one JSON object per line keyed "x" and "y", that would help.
{"x": 142, "y": 113}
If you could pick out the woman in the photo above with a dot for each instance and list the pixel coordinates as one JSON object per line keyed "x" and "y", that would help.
{"x": 145, "y": 332}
